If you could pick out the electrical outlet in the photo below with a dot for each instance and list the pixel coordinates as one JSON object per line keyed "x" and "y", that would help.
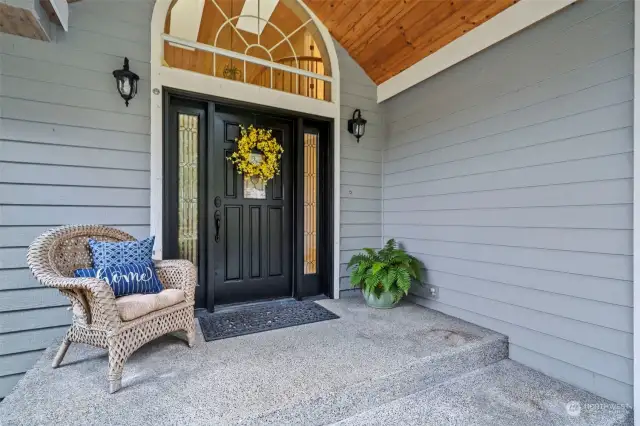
{"x": 432, "y": 292}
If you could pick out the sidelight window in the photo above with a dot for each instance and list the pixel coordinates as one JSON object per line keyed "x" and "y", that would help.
{"x": 188, "y": 187}
{"x": 310, "y": 203}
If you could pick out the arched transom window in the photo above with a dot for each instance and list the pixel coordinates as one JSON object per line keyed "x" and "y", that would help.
{"x": 269, "y": 43}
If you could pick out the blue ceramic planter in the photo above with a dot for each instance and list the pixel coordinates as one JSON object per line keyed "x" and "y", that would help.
{"x": 384, "y": 302}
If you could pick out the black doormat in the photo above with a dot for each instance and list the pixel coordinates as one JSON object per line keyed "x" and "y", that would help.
{"x": 261, "y": 317}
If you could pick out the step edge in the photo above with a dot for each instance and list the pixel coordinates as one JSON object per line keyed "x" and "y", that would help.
{"x": 489, "y": 350}
{"x": 622, "y": 419}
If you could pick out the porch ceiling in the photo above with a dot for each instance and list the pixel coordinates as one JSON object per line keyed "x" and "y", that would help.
{"x": 387, "y": 36}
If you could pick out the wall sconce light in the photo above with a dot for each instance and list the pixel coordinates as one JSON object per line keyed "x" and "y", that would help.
{"x": 356, "y": 125}
{"x": 127, "y": 82}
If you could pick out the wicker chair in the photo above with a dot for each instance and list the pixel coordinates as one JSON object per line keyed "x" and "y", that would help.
{"x": 54, "y": 256}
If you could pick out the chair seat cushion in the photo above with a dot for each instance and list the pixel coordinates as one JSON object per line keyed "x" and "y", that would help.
{"x": 136, "y": 305}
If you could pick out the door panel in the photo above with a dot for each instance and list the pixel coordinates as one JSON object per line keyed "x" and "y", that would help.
{"x": 255, "y": 241}
{"x": 230, "y": 177}
{"x": 275, "y": 241}
{"x": 232, "y": 240}
{"x": 251, "y": 258}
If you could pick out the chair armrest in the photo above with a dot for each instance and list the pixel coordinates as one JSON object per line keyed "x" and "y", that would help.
{"x": 100, "y": 303}
{"x": 179, "y": 274}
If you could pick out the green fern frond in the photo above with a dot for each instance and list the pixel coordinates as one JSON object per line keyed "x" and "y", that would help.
{"x": 391, "y": 245}
{"x": 377, "y": 266}
{"x": 370, "y": 281}
{"x": 416, "y": 268}
{"x": 371, "y": 252}
{"x": 397, "y": 294}
{"x": 356, "y": 279}
{"x": 357, "y": 259}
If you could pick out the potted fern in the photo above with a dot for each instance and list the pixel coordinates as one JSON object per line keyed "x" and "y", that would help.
{"x": 384, "y": 276}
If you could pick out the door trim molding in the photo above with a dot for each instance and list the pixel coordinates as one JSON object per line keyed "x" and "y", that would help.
{"x": 636, "y": 214}
{"x": 325, "y": 251}
{"x": 165, "y": 77}
{"x": 170, "y": 213}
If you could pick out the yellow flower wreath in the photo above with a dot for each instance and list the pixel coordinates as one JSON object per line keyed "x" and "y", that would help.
{"x": 252, "y": 139}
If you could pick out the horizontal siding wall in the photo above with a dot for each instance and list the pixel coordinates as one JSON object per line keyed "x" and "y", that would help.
{"x": 360, "y": 165}
{"x": 510, "y": 175}
{"x": 71, "y": 152}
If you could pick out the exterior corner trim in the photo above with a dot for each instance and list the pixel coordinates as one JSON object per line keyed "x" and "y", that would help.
{"x": 636, "y": 216}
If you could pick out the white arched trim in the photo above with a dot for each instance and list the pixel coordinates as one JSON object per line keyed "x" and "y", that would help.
{"x": 163, "y": 76}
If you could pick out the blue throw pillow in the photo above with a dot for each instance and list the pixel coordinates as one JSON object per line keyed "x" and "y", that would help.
{"x": 124, "y": 253}
{"x": 126, "y": 279}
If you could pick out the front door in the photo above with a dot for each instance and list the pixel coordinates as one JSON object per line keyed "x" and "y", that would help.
{"x": 248, "y": 243}
{"x": 250, "y": 250}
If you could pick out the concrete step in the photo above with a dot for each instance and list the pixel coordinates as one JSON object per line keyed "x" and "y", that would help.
{"x": 317, "y": 373}
{"x": 504, "y": 393}
{"x": 415, "y": 377}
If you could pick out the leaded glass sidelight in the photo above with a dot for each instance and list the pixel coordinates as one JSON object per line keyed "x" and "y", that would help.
{"x": 310, "y": 203}
{"x": 188, "y": 187}
{"x": 269, "y": 43}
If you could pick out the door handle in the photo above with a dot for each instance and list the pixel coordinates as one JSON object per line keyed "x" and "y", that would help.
{"x": 217, "y": 218}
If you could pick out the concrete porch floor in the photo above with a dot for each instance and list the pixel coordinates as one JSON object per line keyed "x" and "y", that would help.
{"x": 368, "y": 367}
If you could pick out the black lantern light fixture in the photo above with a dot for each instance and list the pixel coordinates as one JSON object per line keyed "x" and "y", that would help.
{"x": 356, "y": 125}
{"x": 127, "y": 82}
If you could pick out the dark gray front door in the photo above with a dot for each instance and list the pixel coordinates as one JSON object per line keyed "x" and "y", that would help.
{"x": 250, "y": 254}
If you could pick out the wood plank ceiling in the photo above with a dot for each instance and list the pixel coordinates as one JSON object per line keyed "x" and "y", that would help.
{"x": 388, "y": 36}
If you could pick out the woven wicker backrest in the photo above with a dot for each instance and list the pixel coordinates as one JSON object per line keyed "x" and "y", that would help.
{"x": 66, "y": 249}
